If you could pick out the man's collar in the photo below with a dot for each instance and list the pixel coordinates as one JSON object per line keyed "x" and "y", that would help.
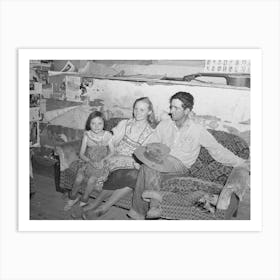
{"x": 186, "y": 123}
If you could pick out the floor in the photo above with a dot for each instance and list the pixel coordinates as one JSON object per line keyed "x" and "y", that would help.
{"x": 48, "y": 204}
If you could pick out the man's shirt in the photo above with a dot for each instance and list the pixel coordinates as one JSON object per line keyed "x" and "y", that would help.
{"x": 185, "y": 143}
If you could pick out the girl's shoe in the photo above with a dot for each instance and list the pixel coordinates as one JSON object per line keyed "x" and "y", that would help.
{"x": 70, "y": 203}
{"x": 84, "y": 216}
{"x": 100, "y": 211}
{"x": 83, "y": 203}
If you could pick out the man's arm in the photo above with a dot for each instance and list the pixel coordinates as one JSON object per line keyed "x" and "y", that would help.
{"x": 239, "y": 179}
{"x": 218, "y": 151}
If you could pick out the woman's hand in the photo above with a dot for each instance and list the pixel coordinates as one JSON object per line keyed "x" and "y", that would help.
{"x": 98, "y": 164}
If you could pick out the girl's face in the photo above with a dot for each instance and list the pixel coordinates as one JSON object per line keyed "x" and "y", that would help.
{"x": 141, "y": 111}
{"x": 96, "y": 125}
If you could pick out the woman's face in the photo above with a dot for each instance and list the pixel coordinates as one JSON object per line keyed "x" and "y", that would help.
{"x": 141, "y": 111}
{"x": 96, "y": 125}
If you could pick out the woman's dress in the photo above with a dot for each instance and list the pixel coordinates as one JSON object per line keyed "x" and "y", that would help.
{"x": 122, "y": 164}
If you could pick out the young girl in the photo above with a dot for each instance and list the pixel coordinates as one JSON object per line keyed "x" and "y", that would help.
{"x": 93, "y": 153}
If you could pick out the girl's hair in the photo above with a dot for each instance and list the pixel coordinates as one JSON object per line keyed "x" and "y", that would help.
{"x": 95, "y": 114}
{"x": 151, "y": 117}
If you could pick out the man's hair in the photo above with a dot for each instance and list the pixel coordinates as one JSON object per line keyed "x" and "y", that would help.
{"x": 185, "y": 97}
{"x": 95, "y": 114}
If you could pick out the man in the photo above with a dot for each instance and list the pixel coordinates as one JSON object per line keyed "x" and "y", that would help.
{"x": 184, "y": 137}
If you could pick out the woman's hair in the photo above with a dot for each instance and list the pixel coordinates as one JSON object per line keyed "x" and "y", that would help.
{"x": 185, "y": 97}
{"x": 151, "y": 117}
{"x": 95, "y": 114}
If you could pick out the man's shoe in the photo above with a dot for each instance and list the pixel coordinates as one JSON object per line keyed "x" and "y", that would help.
{"x": 134, "y": 215}
{"x": 100, "y": 211}
{"x": 154, "y": 213}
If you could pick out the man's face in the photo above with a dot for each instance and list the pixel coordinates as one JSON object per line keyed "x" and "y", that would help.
{"x": 177, "y": 111}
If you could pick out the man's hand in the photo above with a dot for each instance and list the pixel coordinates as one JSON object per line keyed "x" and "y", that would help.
{"x": 245, "y": 165}
{"x": 136, "y": 165}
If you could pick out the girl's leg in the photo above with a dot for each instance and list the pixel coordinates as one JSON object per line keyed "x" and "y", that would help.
{"x": 115, "y": 197}
{"x": 91, "y": 185}
{"x": 77, "y": 186}
{"x": 74, "y": 194}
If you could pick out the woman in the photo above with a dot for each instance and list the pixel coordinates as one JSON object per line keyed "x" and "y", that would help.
{"x": 128, "y": 135}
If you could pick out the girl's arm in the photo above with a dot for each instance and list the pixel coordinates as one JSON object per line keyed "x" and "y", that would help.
{"x": 83, "y": 149}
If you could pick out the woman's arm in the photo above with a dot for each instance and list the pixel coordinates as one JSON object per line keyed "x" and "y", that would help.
{"x": 83, "y": 149}
{"x": 119, "y": 131}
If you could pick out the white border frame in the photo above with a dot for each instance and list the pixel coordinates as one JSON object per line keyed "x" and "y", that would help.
{"x": 254, "y": 224}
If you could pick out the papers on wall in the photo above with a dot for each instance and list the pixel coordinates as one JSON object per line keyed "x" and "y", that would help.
{"x": 227, "y": 66}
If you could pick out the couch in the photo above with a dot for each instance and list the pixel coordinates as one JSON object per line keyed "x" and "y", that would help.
{"x": 207, "y": 191}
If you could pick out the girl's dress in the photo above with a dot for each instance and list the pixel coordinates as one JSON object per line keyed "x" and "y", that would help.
{"x": 126, "y": 141}
{"x": 97, "y": 149}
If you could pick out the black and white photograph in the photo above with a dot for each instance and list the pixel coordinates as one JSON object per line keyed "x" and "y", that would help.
{"x": 142, "y": 139}
{"x": 138, "y": 139}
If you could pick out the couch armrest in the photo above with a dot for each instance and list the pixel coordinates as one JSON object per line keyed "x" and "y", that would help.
{"x": 68, "y": 153}
{"x": 237, "y": 182}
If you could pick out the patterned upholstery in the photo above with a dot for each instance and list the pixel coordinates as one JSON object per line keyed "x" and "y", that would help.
{"x": 206, "y": 168}
{"x": 180, "y": 193}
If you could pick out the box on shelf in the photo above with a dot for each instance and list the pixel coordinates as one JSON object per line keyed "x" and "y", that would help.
{"x": 34, "y": 114}
{"x": 66, "y": 87}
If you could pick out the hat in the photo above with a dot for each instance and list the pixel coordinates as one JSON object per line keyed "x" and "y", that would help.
{"x": 156, "y": 156}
